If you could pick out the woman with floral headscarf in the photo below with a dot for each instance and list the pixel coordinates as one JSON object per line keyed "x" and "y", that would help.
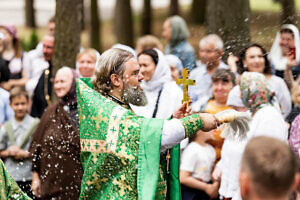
{"x": 176, "y": 33}
{"x": 258, "y": 98}
{"x": 266, "y": 121}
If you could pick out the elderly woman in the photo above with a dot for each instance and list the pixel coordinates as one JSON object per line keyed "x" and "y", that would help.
{"x": 176, "y": 33}
{"x": 86, "y": 60}
{"x": 162, "y": 93}
{"x": 55, "y": 146}
{"x": 253, "y": 58}
{"x": 258, "y": 98}
{"x": 175, "y": 66}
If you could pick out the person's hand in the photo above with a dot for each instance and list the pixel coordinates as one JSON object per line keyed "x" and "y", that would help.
{"x": 13, "y": 150}
{"x": 291, "y": 62}
{"x": 36, "y": 184}
{"x": 209, "y": 121}
{"x": 21, "y": 154}
{"x": 183, "y": 111}
{"x": 217, "y": 173}
{"x": 231, "y": 61}
{"x": 212, "y": 190}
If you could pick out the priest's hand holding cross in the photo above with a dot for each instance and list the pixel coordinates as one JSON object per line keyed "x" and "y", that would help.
{"x": 235, "y": 120}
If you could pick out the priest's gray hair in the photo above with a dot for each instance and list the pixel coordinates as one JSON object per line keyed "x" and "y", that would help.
{"x": 111, "y": 62}
{"x": 212, "y": 39}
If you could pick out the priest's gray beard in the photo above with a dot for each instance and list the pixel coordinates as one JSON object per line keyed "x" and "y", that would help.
{"x": 133, "y": 95}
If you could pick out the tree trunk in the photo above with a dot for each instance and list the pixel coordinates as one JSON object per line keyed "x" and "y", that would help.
{"x": 174, "y": 8}
{"x": 95, "y": 28}
{"x": 198, "y": 11}
{"x": 123, "y": 22}
{"x": 30, "y": 14}
{"x": 82, "y": 16}
{"x": 67, "y": 33}
{"x": 287, "y": 15}
{"x": 233, "y": 26}
{"x": 146, "y": 18}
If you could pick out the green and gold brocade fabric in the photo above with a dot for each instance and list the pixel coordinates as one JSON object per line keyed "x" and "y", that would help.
{"x": 9, "y": 189}
{"x": 119, "y": 150}
{"x": 192, "y": 124}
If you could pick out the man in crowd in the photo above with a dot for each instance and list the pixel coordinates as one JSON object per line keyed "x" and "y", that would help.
{"x": 210, "y": 53}
{"x": 268, "y": 170}
{"x": 41, "y": 85}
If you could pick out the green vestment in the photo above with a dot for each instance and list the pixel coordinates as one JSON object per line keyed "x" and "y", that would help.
{"x": 120, "y": 151}
{"x": 9, "y": 189}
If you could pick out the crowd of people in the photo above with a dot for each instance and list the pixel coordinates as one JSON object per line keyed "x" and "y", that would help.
{"x": 44, "y": 149}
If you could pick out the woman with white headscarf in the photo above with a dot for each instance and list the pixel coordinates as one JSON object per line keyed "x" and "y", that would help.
{"x": 163, "y": 95}
{"x": 285, "y": 51}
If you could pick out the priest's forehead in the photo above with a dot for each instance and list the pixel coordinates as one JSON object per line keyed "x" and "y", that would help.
{"x": 131, "y": 68}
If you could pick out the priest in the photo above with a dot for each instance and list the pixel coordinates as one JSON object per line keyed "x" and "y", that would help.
{"x": 9, "y": 189}
{"x": 120, "y": 151}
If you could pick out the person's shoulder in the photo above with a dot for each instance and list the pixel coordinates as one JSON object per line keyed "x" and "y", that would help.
{"x": 222, "y": 65}
{"x": 188, "y": 47}
{"x": 296, "y": 120}
{"x": 51, "y": 109}
{"x": 268, "y": 112}
{"x": 29, "y": 119}
{"x": 4, "y": 94}
{"x": 198, "y": 71}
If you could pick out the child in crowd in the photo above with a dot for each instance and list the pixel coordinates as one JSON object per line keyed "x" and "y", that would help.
{"x": 15, "y": 137}
{"x": 196, "y": 166}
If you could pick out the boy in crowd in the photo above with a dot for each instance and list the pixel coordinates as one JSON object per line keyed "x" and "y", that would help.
{"x": 268, "y": 170}
{"x": 15, "y": 137}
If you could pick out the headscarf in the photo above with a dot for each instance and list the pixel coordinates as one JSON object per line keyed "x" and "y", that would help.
{"x": 69, "y": 101}
{"x": 179, "y": 30}
{"x": 278, "y": 61}
{"x": 255, "y": 91}
{"x": 161, "y": 75}
{"x": 174, "y": 61}
{"x": 234, "y": 97}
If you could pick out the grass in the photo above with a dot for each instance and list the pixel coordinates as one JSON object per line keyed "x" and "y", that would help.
{"x": 269, "y": 5}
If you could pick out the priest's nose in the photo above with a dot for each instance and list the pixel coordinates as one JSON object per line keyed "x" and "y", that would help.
{"x": 140, "y": 77}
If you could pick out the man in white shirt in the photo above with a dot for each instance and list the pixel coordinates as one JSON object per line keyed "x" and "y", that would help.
{"x": 210, "y": 53}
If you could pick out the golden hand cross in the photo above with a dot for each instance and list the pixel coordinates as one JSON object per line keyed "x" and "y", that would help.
{"x": 185, "y": 82}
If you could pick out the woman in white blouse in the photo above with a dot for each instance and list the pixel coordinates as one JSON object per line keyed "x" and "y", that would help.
{"x": 253, "y": 58}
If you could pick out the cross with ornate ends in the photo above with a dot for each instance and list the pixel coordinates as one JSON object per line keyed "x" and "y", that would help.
{"x": 185, "y": 82}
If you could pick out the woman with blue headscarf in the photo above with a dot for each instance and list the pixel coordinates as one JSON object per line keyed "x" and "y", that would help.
{"x": 176, "y": 33}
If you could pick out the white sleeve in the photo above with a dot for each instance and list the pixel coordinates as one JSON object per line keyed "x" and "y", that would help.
{"x": 173, "y": 132}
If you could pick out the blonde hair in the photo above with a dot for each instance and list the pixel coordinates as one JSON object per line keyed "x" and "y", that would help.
{"x": 148, "y": 42}
{"x": 90, "y": 52}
